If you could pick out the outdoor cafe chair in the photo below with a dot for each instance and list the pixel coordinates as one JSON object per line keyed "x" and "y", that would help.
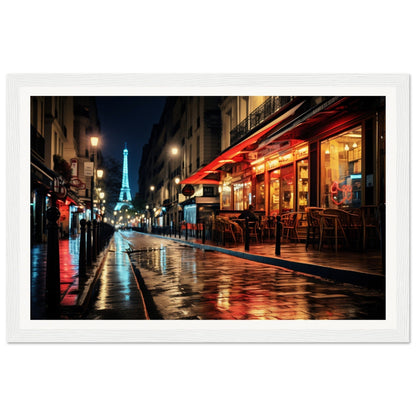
{"x": 313, "y": 231}
{"x": 226, "y": 230}
{"x": 332, "y": 228}
{"x": 268, "y": 227}
{"x": 289, "y": 226}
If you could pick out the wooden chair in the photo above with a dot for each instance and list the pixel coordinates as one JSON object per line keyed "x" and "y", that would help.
{"x": 301, "y": 226}
{"x": 313, "y": 230}
{"x": 226, "y": 231}
{"x": 332, "y": 228}
{"x": 268, "y": 228}
{"x": 289, "y": 226}
{"x": 238, "y": 232}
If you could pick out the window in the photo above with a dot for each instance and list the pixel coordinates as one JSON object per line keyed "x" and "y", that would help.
{"x": 341, "y": 170}
{"x": 226, "y": 197}
{"x": 274, "y": 192}
{"x": 242, "y": 195}
{"x": 303, "y": 184}
{"x": 260, "y": 192}
{"x": 208, "y": 191}
{"x": 286, "y": 181}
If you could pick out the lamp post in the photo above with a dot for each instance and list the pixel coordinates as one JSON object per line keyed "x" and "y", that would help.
{"x": 94, "y": 143}
{"x": 175, "y": 152}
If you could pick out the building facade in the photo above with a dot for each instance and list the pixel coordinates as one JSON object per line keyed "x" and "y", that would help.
{"x": 283, "y": 154}
{"x": 186, "y": 138}
{"x": 58, "y": 141}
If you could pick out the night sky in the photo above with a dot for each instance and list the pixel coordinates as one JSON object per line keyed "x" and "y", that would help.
{"x": 128, "y": 119}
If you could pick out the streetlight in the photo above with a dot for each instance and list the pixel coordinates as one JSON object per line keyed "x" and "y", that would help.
{"x": 94, "y": 144}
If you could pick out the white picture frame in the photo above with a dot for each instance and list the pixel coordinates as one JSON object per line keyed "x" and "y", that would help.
{"x": 395, "y": 328}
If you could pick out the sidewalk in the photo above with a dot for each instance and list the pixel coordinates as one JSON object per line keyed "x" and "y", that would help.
{"x": 76, "y": 296}
{"x": 364, "y": 269}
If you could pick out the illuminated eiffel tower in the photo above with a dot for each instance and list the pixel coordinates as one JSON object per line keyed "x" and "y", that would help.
{"x": 124, "y": 200}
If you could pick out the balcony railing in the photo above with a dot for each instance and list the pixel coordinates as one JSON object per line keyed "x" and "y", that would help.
{"x": 256, "y": 117}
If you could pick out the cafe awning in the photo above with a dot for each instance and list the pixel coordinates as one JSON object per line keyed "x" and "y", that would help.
{"x": 291, "y": 126}
{"x": 235, "y": 153}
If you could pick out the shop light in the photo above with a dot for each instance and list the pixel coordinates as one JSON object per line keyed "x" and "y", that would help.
{"x": 347, "y": 147}
{"x": 327, "y": 152}
{"x": 354, "y": 145}
{"x": 256, "y": 162}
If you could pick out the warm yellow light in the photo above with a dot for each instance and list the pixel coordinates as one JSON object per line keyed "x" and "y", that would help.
{"x": 102, "y": 194}
{"x": 147, "y": 206}
{"x": 94, "y": 141}
{"x": 152, "y": 188}
{"x": 177, "y": 180}
{"x": 175, "y": 150}
{"x": 100, "y": 173}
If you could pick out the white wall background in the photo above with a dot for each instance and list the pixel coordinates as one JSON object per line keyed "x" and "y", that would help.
{"x": 216, "y": 36}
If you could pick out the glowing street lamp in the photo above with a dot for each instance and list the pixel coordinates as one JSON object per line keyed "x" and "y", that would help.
{"x": 94, "y": 144}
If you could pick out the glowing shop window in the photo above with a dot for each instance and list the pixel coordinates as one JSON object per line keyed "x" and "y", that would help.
{"x": 341, "y": 170}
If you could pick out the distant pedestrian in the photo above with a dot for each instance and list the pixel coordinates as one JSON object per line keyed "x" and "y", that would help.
{"x": 248, "y": 213}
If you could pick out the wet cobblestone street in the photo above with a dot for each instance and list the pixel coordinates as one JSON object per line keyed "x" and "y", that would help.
{"x": 188, "y": 283}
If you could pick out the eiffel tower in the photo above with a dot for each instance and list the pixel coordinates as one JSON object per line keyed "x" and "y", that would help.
{"x": 124, "y": 200}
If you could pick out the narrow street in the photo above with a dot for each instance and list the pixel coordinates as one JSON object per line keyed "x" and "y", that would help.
{"x": 181, "y": 282}
{"x": 117, "y": 293}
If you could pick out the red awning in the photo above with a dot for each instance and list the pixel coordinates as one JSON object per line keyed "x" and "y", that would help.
{"x": 233, "y": 154}
{"x": 330, "y": 113}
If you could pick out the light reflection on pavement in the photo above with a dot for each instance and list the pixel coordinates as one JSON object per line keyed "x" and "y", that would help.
{"x": 188, "y": 283}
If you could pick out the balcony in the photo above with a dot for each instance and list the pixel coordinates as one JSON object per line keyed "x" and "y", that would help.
{"x": 256, "y": 117}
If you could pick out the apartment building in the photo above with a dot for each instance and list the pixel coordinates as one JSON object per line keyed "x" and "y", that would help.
{"x": 57, "y": 141}
{"x": 186, "y": 138}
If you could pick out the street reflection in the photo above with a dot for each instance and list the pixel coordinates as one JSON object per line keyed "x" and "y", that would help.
{"x": 191, "y": 283}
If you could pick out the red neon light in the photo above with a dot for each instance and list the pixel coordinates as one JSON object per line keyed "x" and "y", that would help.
{"x": 346, "y": 193}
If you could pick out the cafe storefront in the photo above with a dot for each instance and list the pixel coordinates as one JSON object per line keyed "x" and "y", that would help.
{"x": 330, "y": 155}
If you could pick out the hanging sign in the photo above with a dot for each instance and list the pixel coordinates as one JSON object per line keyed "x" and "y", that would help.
{"x": 74, "y": 167}
{"x": 88, "y": 168}
{"x": 188, "y": 190}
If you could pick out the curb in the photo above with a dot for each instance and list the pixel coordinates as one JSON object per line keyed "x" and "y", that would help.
{"x": 84, "y": 294}
{"x": 368, "y": 280}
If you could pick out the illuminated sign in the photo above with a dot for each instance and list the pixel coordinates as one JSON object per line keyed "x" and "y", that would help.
{"x": 188, "y": 190}
{"x": 346, "y": 193}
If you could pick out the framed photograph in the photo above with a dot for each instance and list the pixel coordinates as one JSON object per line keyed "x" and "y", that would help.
{"x": 206, "y": 208}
